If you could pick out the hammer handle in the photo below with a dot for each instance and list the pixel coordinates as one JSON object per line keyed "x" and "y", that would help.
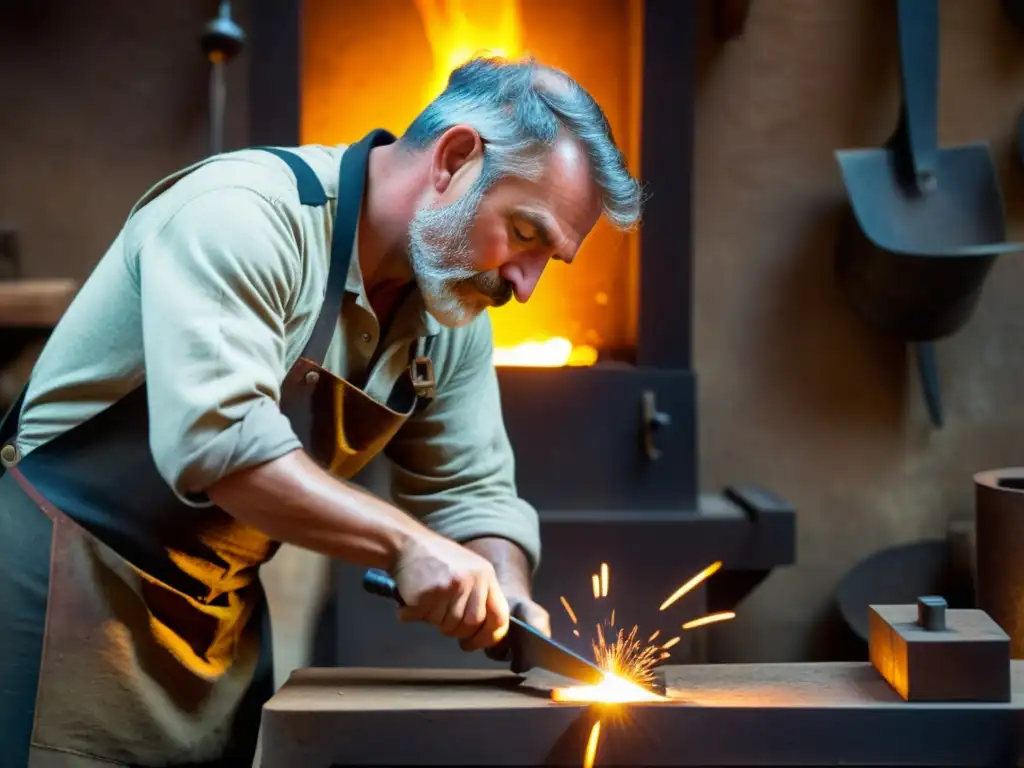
{"x": 377, "y": 582}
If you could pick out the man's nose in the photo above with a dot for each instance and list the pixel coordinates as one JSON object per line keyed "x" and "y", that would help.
{"x": 524, "y": 276}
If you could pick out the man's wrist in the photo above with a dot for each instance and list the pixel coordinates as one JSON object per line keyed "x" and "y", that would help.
{"x": 510, "y": 563}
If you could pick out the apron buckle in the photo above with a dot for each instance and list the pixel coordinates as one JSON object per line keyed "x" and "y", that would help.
{"x": 9, "y": 455}
{"x": 422, "y": 374}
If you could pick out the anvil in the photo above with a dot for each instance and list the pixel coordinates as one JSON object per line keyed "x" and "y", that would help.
{"x": 809, "y": 714}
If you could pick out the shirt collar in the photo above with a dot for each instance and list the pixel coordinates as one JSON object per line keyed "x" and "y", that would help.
{"x": 411, "y": 317}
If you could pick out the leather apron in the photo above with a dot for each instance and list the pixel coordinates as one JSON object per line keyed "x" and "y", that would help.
{"x": 136, "y": 625}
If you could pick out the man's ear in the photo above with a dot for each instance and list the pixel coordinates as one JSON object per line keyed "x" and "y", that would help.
{"x": 457, "y": 152}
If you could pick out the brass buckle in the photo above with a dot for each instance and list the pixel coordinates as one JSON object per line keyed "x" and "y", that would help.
{"x": 9, "y": 456}
{"x": 422, "y": 374}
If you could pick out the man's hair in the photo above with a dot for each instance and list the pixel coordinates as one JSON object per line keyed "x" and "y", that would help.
{"x": 519, "y": 108}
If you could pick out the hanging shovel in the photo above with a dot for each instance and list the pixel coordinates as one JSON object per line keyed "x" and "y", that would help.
{"x": 925, "y": 223}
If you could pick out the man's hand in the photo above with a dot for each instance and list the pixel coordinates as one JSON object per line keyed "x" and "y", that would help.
{"x": 514, "y": 576}
{"x": 453, "y": 588}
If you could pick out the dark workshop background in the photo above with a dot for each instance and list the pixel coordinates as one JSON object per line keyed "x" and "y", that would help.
{"x": 795, "y": 393}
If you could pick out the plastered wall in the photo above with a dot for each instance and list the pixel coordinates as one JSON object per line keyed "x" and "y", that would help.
{"x": 795, "y": 392}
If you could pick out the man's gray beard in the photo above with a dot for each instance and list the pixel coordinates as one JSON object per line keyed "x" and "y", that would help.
{"x": 441, "y": 258}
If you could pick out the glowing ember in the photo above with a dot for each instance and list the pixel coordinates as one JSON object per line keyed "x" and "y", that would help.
{"x": 604, "y": 579}
{"x": 711, "y": 618}
{"x": 591, "y": 753}
{"x": 554, "y": 352}
{"x": 709, "y": 571}
{"x": 670, "y": 643}
{"x": 568, "y": 609}
{"x": 651, "y": 638}
{"x": 597, "y": 585}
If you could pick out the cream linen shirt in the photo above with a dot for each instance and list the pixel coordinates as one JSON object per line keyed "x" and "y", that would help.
{"x": 209, "y": 294}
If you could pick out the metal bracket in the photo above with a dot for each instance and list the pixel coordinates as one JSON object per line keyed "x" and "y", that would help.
{"x": 653, "y": 420}
{"x": 423, "y": 380}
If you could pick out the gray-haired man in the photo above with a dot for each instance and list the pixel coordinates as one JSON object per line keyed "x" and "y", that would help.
{"x": 263, "y": 326}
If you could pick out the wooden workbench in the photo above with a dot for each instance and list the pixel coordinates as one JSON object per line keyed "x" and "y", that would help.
{"x": 716, "y": 715}
{"x": 34, "y": 303}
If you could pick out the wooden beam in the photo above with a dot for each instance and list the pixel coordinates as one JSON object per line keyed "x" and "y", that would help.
{"x": 34, "y": 303}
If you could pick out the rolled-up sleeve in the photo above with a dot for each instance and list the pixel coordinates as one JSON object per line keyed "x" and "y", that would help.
{"x": 453, "y": 466}
{"x": 215, "y": 283}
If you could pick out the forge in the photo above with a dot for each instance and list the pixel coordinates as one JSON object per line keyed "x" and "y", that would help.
{"x": 813, "y": 714}
{"x": 596, "y": 372}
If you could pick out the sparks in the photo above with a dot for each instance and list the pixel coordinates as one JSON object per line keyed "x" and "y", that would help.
{"x": 576, "y": 632}
{"x": 568, "y": 609}
{"x": 591, "y": 753}
{"x": 597, "y": 585}
{"x": 651, "y": 638}
{"x": 669, "y": 643}
{"x": 626, "y": 656}
{"x": 611, "y": 621}
{"x": 709, "y": 571}
{"x": 604, "y": 579}
{"x": 711, "y": 618}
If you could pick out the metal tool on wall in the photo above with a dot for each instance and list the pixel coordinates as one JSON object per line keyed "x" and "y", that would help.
{"x": 222, "y": 40}
{"x": 925, "y": 224}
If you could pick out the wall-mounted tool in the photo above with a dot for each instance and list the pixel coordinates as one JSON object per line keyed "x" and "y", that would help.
{"x": 925, "y": 223}
{"x": 221, "y": 41}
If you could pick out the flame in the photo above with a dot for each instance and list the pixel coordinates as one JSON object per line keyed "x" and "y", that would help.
{"x": 458, "y": 30}
{"x": 710, "y": 570}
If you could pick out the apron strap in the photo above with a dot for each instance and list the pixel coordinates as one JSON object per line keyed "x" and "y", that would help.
{"x": 311, "y": 191}
{"x": 351, "y": 183}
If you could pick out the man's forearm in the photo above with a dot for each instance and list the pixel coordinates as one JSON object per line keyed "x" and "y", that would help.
{"x": 509, "y": 561}
{"x": 293, "y": 500}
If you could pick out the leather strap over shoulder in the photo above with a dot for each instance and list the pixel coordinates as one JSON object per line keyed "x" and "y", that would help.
{"x": 311, "y": 191}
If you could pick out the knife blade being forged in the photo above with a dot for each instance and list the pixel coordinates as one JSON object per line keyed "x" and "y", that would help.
{"x": 529, "y": 646}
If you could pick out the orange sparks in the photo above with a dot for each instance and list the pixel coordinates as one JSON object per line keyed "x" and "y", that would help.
{"x": 670, "y": 643}
{"x": 651, "y": 638}
{"x": 604, "y": 579}
{"x": 591, "y": 753}
{"x": 611, "y": 621}
{"x": 711, "y": 569}
{"x": 597, "y": 585}
{"x": 711, "y": 618}
{"x": 568, "y": 609}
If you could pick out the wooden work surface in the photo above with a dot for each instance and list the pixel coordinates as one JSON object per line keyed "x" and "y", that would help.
{"x": 34, "y": 303}
{"x": 736, "y": 715}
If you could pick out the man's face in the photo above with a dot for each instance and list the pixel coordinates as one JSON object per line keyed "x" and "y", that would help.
{"x": 476, "y": 247}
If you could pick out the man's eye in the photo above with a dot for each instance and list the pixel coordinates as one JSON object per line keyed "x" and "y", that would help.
{"x": 522, "y": 234}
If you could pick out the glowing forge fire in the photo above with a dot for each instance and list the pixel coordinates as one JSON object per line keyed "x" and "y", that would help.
{"x": 628, "y": 662}
{"x": 549, "y": 353}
